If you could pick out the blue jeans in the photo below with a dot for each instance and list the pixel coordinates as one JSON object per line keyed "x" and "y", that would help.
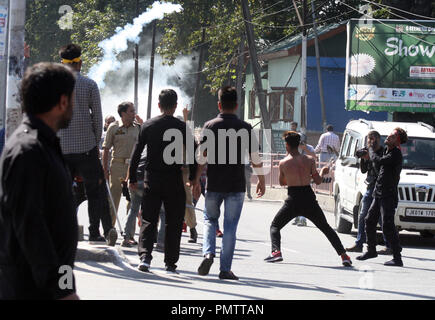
{"x": 366, "y": 202}
{"x": 233, "y": 204}
{"x": 325, "y": 157}
{"x": 136, "y": 200}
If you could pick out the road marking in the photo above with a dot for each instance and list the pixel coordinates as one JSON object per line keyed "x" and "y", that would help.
{"x": 282, "y": 248}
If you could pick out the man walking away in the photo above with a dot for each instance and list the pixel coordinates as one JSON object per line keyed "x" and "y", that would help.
{"x": 163, "y": 182}
{"x": 225, "y": 183}
{"x": 122, "y": 136}
{"x": 385, "y": 197}
{"x": 296, "y": 172}
{"x": 329, "y": 138}
{"x": 80, "y": 143}
{"x": 38, "y": 222}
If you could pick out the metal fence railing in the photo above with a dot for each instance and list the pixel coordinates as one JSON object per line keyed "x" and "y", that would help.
{"x": 271, "y": 164}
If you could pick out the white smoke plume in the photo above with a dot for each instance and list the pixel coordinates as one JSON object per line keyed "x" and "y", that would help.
{"x": 120, "y": 85}
{"x": 119, "y": 42}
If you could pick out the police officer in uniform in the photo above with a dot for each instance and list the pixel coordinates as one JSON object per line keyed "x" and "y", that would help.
{"x": 121, "y": 137}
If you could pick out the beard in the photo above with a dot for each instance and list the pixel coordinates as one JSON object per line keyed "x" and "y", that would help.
{"x": 65, "y": 120}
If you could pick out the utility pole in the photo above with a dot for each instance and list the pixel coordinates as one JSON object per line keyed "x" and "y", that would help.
{"x": 151, "y": 79}
{"x": 4, "y": 33}
{"x": 17, "y": 16}
{"x": 239, "y": 79}
{"x": 136, "y": 68}
{"x": 198, "y": 76}
{"x": 319, "y": 71}
{"x": 303, "y": 67}
{"x": 257, "y": 74}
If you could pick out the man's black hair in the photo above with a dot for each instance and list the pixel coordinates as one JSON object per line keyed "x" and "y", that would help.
{"x": 168, "y": 99}
{"x": 228, "y": 98}
{"x": 329, "y": 128}
{"x": 374, "y": 133}
{"x": 403, "y": 136}
{"x": 42, "y": 86}
{"x": 70, "y": 51}
{"x": 292, "y": 138}
{"x": 123, "y": 107}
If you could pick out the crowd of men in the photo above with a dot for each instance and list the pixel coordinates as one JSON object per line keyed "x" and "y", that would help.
{"x": 58, "y": 141}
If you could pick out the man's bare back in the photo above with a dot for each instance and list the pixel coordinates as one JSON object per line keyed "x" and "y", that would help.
{"x": 297, "y": 170}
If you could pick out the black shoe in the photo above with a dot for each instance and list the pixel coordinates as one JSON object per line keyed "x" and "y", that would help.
{"x": 396, "y": 262}
{"x": 111, "y": 237}
{"x": 227, "y": 275}
{"x": 386, "y": 252}
{"x": 144, "y": 266}
{"x": 97, "y": 239}
{"x": 193, "y": 235}
{"x": 171, "y": 269}
{"x": 204, "y": 267}
{"x": 355, "y": 248}
{"x": 367, "y": 255}
{"x": 126, "y": 243}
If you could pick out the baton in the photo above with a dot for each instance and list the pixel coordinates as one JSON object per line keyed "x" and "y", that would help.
{"x": 195, "y": 208}
{"x": 114, "y": 208}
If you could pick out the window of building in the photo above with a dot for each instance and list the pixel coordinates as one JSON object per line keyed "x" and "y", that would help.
{"x": 280, "y": 104}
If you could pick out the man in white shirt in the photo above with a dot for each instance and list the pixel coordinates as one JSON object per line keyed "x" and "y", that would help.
{"x": 330, "y": 139}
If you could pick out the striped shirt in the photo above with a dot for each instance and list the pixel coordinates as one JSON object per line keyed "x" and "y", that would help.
{"x": 86, "y": 126}
{"x": 328, "y": 139}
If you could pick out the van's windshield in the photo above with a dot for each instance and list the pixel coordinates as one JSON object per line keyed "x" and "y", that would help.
{"x": 418, "y": 153}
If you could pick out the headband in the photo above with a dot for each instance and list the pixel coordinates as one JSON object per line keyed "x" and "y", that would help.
{"x": 75, "y": 60}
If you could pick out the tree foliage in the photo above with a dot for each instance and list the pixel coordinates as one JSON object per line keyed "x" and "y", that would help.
{"x": 223, "y": 21}
{"x": 93, "y": 21}
{"x": 273, "y": 21}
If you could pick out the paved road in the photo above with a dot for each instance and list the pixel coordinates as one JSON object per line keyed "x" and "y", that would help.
{"x": 310, "y": 270}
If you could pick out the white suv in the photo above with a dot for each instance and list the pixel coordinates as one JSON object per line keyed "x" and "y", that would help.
{"x": 416, "y": 208}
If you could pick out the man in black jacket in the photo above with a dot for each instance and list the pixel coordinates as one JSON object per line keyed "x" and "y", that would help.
{"x": 163, "y": 180}
{"x": 385, "y": 197}
{"x": 367, "y": 166}
{"x": 38, "y": 222}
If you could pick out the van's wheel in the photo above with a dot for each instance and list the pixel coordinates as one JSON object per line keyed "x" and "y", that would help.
{"x": 427, "y": 234}
{"x": 342, "y": 225}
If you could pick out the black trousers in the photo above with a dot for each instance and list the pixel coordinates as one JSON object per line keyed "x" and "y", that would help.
{"x": 385, "y": 207}
{"x": 169, "y": 190}
{"x": 302, "y": 201}
{"x": 88, "y": 167}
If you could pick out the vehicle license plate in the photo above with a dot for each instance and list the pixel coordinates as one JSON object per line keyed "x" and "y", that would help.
{"x": 420, "y": 213}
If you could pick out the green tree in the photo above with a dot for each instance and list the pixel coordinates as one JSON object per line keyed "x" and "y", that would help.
{"x": 93, "y": 21}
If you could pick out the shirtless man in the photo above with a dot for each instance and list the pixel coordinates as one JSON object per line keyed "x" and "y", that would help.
{"x": 296, "y": 172}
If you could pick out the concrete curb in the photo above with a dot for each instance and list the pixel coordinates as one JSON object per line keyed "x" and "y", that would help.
{"x": 101, "y": 253}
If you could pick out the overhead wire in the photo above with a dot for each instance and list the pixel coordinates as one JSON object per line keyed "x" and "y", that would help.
{"x": 380, "y": 21}
{"x": 305, "y": 25}
{"x": 234, "y": 57}
{"x": 407, "y": 12}
{"x": 403, "y": 18}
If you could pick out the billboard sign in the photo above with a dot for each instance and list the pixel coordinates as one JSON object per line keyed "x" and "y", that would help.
{"x": 390, "y": 65}
{"x": 3, "y": 30}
